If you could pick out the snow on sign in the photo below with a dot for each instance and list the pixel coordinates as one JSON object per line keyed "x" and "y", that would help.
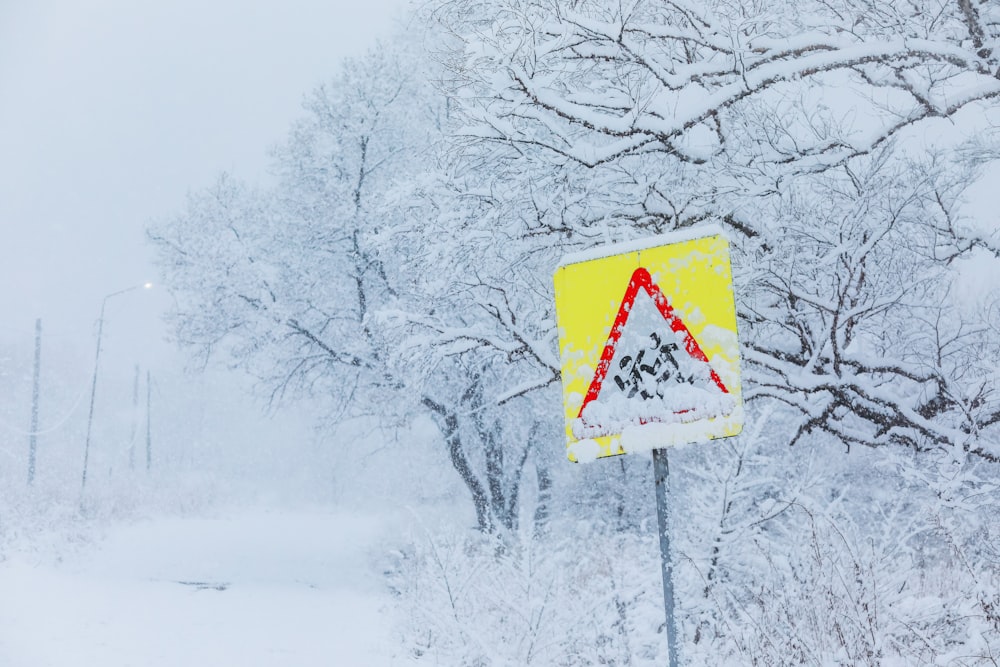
{"x": 647, "y": 338}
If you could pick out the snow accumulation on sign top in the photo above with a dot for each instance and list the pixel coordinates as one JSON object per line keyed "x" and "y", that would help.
{"x": 647, "y": 338}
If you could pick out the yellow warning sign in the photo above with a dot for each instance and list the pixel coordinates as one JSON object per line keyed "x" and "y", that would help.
{"x": 648, "y": 343}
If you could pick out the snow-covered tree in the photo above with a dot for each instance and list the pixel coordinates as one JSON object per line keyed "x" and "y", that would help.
{"x": 402, "y": 263}
{"x": 836, "y": 142}
{"x": 794, "y": 124}
{"x": 326, "y": 283}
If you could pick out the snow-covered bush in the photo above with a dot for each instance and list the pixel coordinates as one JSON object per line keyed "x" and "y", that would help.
{"x": 585, "y": 598}
{"x": 836, "y": 570}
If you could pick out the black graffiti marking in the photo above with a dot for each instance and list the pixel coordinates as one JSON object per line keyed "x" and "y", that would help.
{"x": 637, "y": 372}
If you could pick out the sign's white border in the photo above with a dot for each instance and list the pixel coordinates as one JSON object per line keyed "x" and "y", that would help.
{"x": 680, "y": 236}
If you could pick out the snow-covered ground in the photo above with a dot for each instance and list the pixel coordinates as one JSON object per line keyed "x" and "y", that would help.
{"x": 252, "y": 588}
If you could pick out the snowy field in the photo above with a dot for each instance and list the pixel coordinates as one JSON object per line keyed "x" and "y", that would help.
{"x": 254, "y": 588}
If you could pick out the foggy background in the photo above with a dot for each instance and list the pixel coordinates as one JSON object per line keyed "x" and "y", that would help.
{"x": 110, "y": 112}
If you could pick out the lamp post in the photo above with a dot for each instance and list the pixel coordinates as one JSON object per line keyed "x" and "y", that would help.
{"x": 93, "y": 382}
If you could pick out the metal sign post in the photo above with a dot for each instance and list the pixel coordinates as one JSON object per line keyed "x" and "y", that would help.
{"x": 650, "y": 358}
{"x": 660, "y": 473}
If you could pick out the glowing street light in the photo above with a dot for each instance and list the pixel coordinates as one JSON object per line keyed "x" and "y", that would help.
{"x": 93, "y": 383}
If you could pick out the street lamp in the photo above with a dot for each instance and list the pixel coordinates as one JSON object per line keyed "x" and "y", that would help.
{"x": 93, "y": 383}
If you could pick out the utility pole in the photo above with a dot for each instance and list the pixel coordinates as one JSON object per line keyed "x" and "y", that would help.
{"x": 93, "y": 393}
{"x": 149, "y": 432}
{"x": 93, "y": 382}
{"x": 36, "y": 376}
{"x": 135, "y": 419}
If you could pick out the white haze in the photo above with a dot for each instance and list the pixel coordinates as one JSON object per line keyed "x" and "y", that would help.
{"x": 110, "y": 112}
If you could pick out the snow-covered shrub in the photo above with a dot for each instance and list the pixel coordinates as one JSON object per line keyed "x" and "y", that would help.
{"x": 783, "y": 557}
{"x": 855, "y": 559}
{"x": 584, "y": 598}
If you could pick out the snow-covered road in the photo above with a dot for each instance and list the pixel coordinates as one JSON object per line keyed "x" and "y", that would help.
{"x": 255, "y": 589}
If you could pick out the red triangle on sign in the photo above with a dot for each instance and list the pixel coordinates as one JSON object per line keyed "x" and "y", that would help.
{"x": 663, "y": 389}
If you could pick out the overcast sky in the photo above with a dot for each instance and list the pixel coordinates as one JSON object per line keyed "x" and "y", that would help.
{"x": 111, "y": 110}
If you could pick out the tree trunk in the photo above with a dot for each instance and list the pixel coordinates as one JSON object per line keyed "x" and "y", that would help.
{"x": 448, "y": 423}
